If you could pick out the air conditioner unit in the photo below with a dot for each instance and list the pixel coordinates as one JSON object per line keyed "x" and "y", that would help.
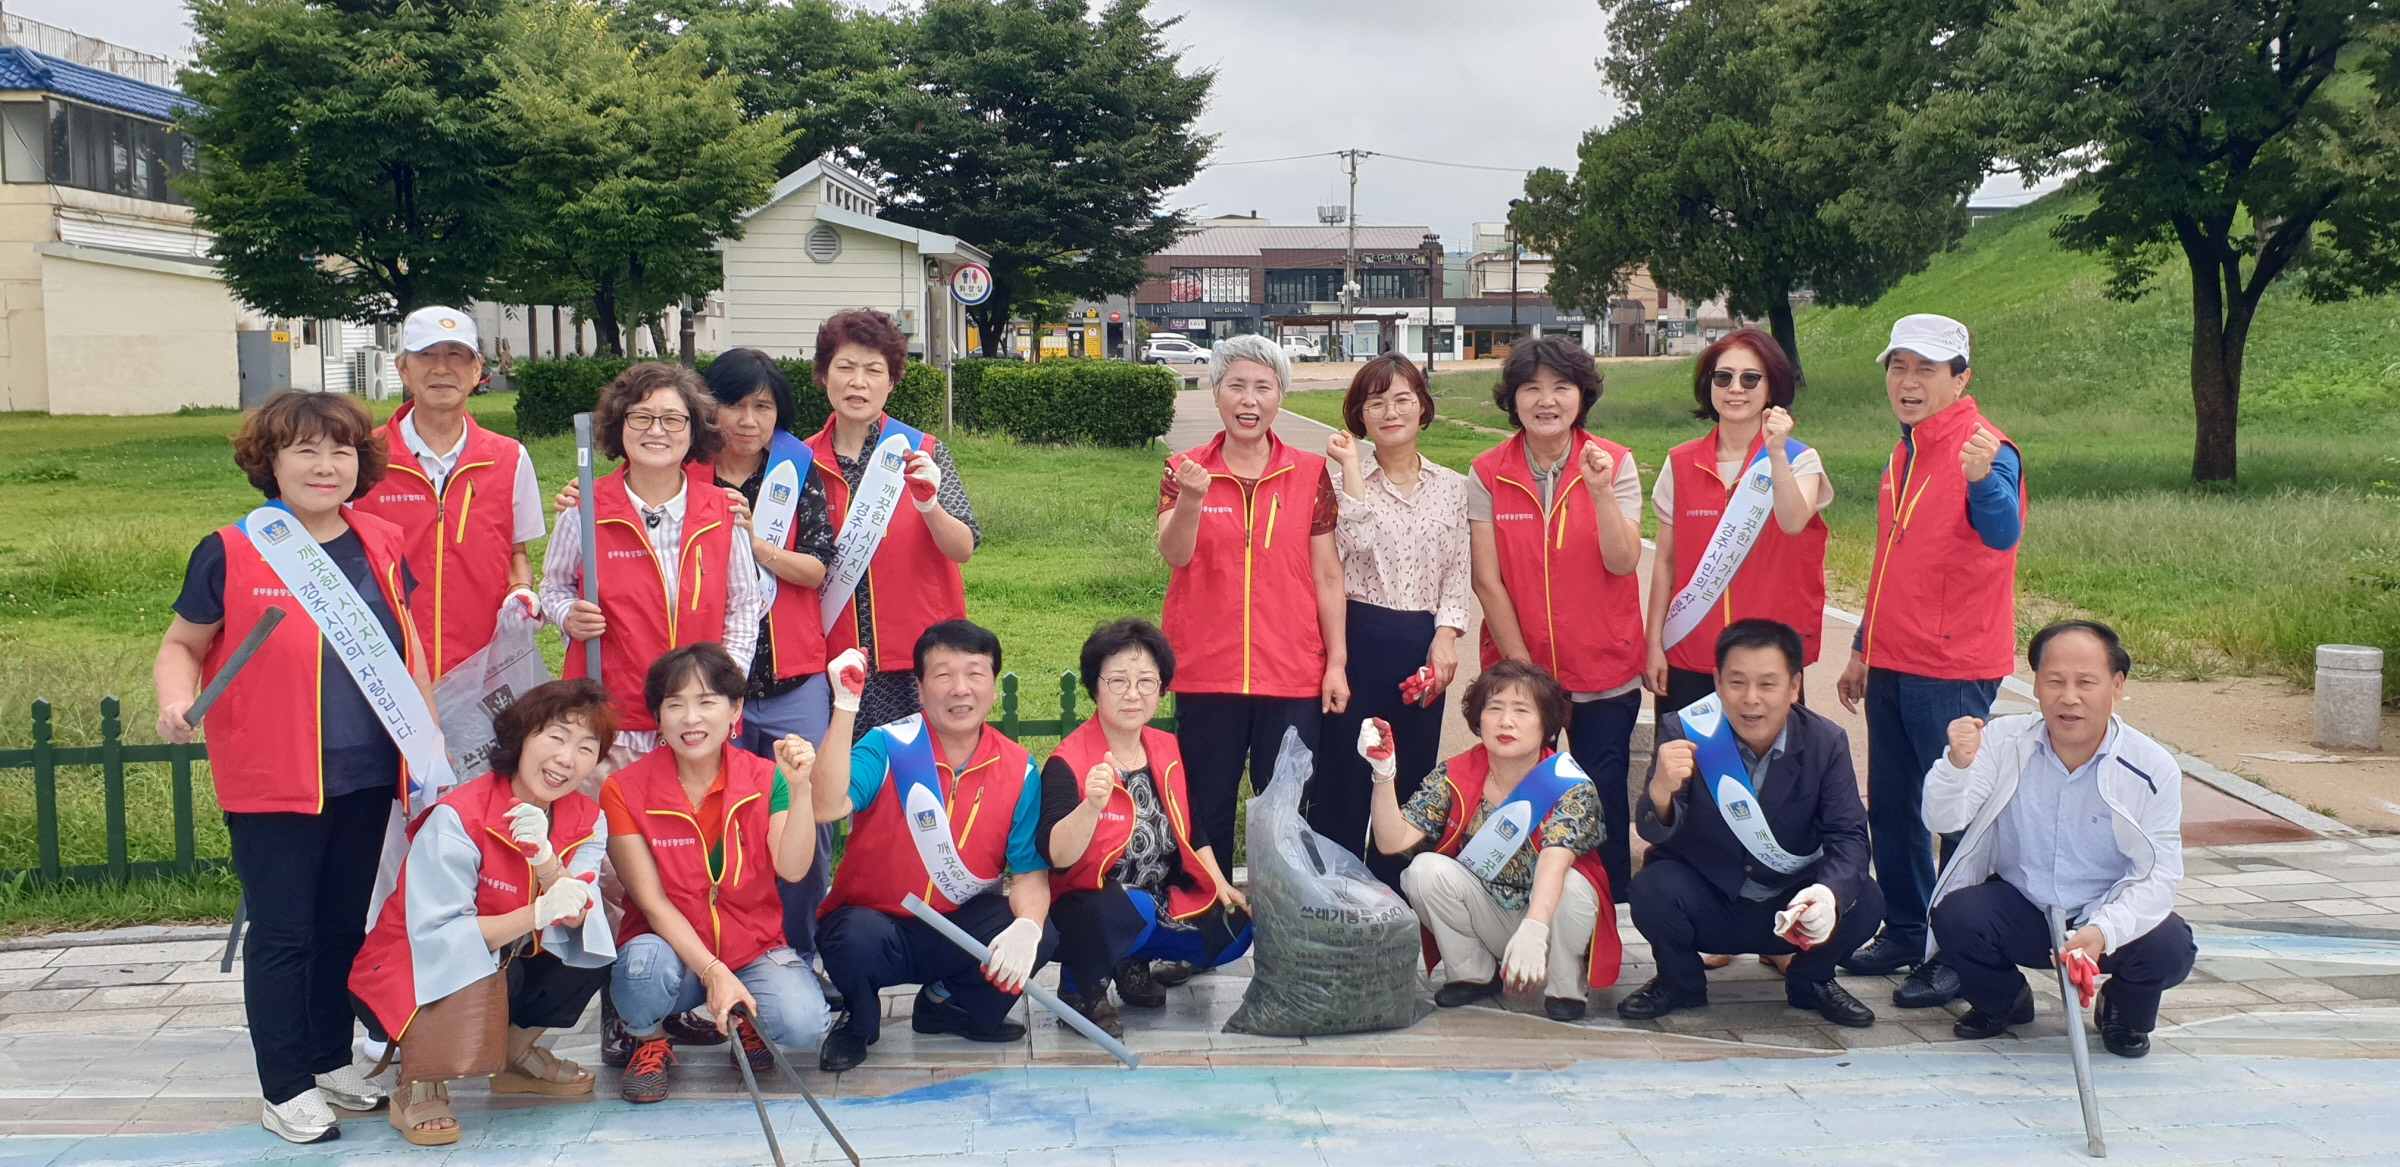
{"x": 373, "y": 374}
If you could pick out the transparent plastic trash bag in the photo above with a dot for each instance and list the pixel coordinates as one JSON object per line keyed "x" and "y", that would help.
{"x": 468, "y": 697}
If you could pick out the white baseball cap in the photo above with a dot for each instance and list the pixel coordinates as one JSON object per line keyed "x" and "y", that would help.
{"x": 1935, "y": 338}
{"x": 427, "y": 327}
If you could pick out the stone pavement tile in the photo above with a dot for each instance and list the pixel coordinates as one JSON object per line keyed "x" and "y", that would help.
{"x": 205, "y": 993}
{"x": 2296, "y": 892}
{"x": 1789, "y": 1037}
{"x": 41, "y": 1000}
{"x": 2295, "y": 989}
{"x": 203, "y": 970}
{"x": 92, "y": 976}
{"x": 2215, "y": 895}
{"x": 1586, "y": 1143}
{"x": 27, "y": 958}
{"x": 1446, "y": 1148}
{"x": 33, "y": 1150}
{"x": 170, "y": 952}
{"x": 122, "y": 997}
{"x": 196, "y": 1016}
{"x": 21, "y": 978}
{"x": 2230, "y": 1142}
{"x": 1022, "y": 1134}
{"x": 2269, "y": 878}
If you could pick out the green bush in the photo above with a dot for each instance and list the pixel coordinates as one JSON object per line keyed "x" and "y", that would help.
{"x": 551, "y": 392}
{"x": 1107, "y": 403}
{"x": 966, "y": 377}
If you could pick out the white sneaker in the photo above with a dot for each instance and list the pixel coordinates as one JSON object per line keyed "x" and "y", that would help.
{"x": 306, "y": 1118}
{"x": 351, "y": 1089}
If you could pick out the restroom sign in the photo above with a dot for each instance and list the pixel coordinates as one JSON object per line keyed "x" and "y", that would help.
{"x": 971, "y": 284}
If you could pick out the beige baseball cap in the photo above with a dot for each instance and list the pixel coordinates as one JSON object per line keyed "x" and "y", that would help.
{"x": 427, "y": 327}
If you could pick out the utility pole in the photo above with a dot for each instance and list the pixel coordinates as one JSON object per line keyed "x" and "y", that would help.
{"x": 1350, "y": 249}
{"x": 1513, "y": 252}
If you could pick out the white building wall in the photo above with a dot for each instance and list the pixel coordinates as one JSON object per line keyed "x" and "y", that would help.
{"x": 775, "y": 296}
{"x": 177, "y": 349}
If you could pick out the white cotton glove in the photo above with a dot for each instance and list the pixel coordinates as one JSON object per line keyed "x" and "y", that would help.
{"x": 848, "y": 675}
{"x": 565, "y": 902}
{"x": 1809, "y": 920}
{"x": 530, "y": 827}
{"x": 1375, "y": 745}
{"x": 524, "y": 601}
{"x": 1012, "y": 955}
{"x": 1527, "y": 961}
{"x": 924, "y": 481}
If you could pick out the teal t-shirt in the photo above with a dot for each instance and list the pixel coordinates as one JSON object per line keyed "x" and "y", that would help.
{"x": 871, "y": 768}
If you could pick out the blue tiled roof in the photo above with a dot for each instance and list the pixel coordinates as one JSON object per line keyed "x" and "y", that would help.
{"x": 22, "y": 68}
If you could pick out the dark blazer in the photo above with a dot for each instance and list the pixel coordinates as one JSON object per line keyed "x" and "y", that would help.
{"x": 1811, "y": 800}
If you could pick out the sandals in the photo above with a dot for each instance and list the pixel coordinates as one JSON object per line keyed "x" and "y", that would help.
{"x": 542, "y": 1072}
{"x": 416, "y": 1103}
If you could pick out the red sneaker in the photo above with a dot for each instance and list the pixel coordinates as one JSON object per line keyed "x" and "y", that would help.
{"x": 646, "y": 1071}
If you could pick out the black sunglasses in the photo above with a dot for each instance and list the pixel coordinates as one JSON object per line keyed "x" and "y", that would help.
{"x": 1723, "y": 378}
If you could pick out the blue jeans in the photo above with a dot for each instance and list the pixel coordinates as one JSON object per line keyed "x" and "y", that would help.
{"x": 804, "y": 711}
{"x": 650, "y": 981}
{"x": 1908, "y": 726}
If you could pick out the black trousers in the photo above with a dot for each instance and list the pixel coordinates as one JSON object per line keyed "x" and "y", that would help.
{"x": 1990, "y": 931}
{"x": 544, "y": 992}
{"x": 1224, "y": 734}
{"x": 1098, "y": 927}
{"x": 866, "y": 951}
{"x": 1683, "y": 915}
{"x": 1387, "y": 647}
{"x": 306, "y": 879}
{"x": 1684, "y": 687}
{"x": 1600, "y": 738}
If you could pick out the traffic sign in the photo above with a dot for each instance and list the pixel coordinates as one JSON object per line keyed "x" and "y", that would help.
{"x": 971, "y": 284}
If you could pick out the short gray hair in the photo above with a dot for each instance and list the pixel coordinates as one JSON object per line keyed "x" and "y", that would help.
{"x": 1249, "y": 347}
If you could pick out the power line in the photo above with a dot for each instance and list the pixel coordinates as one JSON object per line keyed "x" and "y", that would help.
{"x": 1264, "y": 161}
{"x": 1454, "y": 165}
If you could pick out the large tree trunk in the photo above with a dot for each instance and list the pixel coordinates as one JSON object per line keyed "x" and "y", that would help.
{"x": 2220, "y": 329}
{"x": 1787, "y": 335}
{"x": 605, "y": 326}
{"x": 658, "y": 335}
{"x": 991, "y": 323}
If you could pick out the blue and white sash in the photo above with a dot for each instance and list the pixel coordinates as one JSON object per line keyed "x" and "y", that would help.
{"x": 788, "y": 464}
{"x": 920, "y": 789}
{"x": 1749, "y": 507}
{"x": 870, "y": 513}
{"x": 357, "y": 637}
{"x": 1719, "y": 759}
{"x": 1506, "y": 830}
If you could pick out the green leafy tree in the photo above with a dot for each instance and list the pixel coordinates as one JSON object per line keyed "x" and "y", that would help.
{"x": 2258, "y": 138}
{"x": 631, "y": 163}
{"x": 1043, "y": 135}
{"x": 804, "y": 59}
{"x": 350, "y": 157}
{"x": 1765, "y": 148}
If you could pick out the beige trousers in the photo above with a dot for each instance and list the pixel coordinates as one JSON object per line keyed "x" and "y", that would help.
{"x": 1473, "y": 930}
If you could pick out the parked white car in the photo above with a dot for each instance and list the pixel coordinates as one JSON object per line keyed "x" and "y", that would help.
{"x": 1173, "y": 350}
{"x": 1300, "y": 347}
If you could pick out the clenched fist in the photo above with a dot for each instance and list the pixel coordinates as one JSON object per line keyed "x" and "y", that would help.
{"x": 1966, "y": 740}
{"x": 1191, "y": 482}
{"x": 1343, "y": 449}
{"x": 796, "y": 758}
{"x": 1599, "y": 471}
{"x": 1775, "y": 425}
{"x": 1675, "y": 766}
{"x": 1975, "y": 458}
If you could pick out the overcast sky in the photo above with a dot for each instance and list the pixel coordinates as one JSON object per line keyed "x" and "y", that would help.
{"x": 1508, "y": 84}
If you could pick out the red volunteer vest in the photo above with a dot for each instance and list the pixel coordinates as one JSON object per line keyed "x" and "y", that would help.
{"x": 914, "y": 585}
{"x": 1081, "y": 750}
{"x": 795, "y": 624}
{"x": 642, "y": 625}
{"x": 1580, "y": 620}
{"x": 1466, "y": 775}
{"x": 1783, "y": 577}
{"x": 265, "y": 740}
{"x": 461, "y": 540}
{"x": 881, "y": 866}
{"x": 1939, "y": 603}
{"x": 738, "y": 912}
{"x": 1242, "y": 615}
{"x": 384, "y": 975}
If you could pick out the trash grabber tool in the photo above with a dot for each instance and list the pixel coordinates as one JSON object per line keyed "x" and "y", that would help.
{"x": 741, "y": 1061}
{"x": 587, "y": 521}
{"x": 1047, "y": 999}
{"x": 2077, "y": 1047}
{"x": 242, "y": 653}
{"x": 805, "y": 1093}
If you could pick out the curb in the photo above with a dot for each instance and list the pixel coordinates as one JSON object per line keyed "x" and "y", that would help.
{"x": 139, "y": 934}
{"x": 2263, "y": 798}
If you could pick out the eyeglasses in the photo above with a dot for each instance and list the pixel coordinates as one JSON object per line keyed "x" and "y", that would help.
{"x": 1390, "y": 403}
{"x": 1723, "y": 378}
{"x": 1118, "y": 686}
{"x": 671, "y": 423}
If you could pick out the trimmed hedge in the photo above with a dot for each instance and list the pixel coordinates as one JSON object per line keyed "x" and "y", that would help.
{"x": 551, "y": 392}
{"x": 1107, "y": 403}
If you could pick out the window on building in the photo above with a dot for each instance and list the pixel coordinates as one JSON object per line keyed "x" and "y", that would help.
{"x": 1303, "y": 285}
{"x": 95, "y": 149}
{"x": 1401, "y": 284}
{"x": 1209, "y": 285}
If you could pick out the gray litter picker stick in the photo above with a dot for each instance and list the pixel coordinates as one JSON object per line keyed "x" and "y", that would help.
{"x": 589, "y": 526}
{"x": 1048, "y": 1000}
{"x": 742, "y": 1061}
{"x": 242, "y": 653}
{"x": 2077, "y": 1047}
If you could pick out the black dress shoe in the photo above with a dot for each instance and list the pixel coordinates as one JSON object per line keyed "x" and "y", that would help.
{"x": 1883, "y": 956}
{"x": 690, "y": 1028}
{"x": 1657, "y": 999}
{"x": 1931, "y": 985}
{"x": 1171, "y": 973}
{"x": 1457, "y": 993}
{"x": 1565, "y": 1008}
{"x": 1976, "y": 1025}
{"x": 1831, "y": 1002}
{"x": 2121, "y": 1039}
{"x": 843, "y": 1050}
{"x": 931, "y": 1016}
{"x": 1137, "y": 986}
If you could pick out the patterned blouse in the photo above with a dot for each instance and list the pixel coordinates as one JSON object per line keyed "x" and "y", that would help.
{"x": 1407, "y": 554}
{"x": 1574, "y": 823}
